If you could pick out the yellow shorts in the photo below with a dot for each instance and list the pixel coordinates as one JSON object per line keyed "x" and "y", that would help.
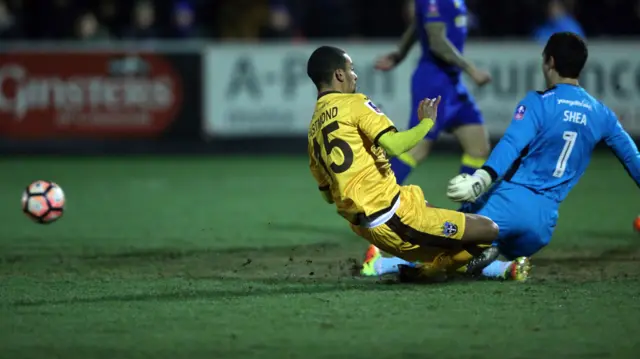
{"x": 417, "y": 232}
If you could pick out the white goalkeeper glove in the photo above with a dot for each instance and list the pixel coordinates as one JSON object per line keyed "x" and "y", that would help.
{"x": 467, "y": 188}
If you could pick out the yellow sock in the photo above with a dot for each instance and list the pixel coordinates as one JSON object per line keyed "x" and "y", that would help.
{"x": 474, "y": 162}
{"x": 447, "y": 263}
{"x": 460, "y": 261}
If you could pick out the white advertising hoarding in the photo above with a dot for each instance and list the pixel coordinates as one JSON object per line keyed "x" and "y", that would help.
{"x": 263, "y": 89}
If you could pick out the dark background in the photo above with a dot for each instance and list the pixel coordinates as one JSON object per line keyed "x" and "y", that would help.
{"x": 254, "y": 19}
{"x": 147, "y": 24}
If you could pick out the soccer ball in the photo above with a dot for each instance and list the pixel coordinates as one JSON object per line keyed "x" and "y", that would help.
{"x": 636, "y": 224}
{"x": 43, "y": 202}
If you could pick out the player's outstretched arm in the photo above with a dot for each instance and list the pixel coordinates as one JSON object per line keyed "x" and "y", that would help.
{"x": 397, "y": 143}
{"x": 624, "y": 148}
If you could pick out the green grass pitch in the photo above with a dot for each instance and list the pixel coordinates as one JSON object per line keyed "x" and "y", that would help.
{"x": 241, "y": 258}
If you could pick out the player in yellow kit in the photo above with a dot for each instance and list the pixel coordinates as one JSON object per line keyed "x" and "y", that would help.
{"x": 350, "y": 140}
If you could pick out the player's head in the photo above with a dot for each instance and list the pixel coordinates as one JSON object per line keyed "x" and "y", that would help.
{"x": 330, "y": 68}
{"x": 564, "y": 57}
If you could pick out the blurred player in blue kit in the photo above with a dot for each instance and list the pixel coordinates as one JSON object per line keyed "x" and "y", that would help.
{"x": 441, "y": 28}
{"x": 543, "y": 154}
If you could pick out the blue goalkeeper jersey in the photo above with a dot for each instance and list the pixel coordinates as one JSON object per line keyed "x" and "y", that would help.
{"x": 549, "y": 142}
{"x": 453, "y": 13}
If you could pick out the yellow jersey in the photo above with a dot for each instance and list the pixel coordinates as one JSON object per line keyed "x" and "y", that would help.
{"x": 345, "y": 158}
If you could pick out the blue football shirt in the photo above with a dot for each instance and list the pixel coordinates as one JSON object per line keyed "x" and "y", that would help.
{"x": 453, "y": 13}
{"x": 548, "y": 145}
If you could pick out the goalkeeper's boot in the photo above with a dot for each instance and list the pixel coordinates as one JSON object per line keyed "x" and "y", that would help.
{"x": 371, "y": 259}
{"x": 518, "y": 270}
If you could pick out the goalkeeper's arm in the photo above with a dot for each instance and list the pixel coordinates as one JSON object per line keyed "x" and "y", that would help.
{"x": 624, "y": 148}
{"x": 397, "y": 143}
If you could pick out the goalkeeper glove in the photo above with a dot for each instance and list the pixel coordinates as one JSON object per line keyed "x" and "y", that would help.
{"x": 467, "y": 188}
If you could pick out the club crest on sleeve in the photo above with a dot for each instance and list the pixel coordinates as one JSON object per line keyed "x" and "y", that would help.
{"x": 373, "y": 107}
{"x": 520, "y": 111}
{"x": 449, "y": 229}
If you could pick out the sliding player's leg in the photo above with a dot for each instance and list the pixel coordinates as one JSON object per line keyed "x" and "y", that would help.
{"x": 433, "y": 236}
{"x": 377, "y": 264}
{"x": 476, "y": 239}
{"x": 516, "y": 269}
{"x": 512, "y": 222}
{"x": 429, "y": 262}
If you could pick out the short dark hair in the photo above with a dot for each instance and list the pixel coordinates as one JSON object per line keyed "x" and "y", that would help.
{"x": 323, "y": 62}
{"x": 569, "y": 53}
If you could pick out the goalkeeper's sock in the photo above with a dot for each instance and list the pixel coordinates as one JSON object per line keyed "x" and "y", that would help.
{"x": 496, "y": 269}
{"x": 402, "y": 167}
{"x": 470, "y": 164}
{"x": 390, "y": 265}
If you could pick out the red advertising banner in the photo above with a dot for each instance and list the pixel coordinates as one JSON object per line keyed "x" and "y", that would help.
{"x": 83, "y": 94}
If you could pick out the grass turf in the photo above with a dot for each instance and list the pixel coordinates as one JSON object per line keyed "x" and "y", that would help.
{"x": 240, "y": 258}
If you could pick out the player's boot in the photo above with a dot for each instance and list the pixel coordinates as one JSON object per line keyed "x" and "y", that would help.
{"x": 518, "y": 270}
{"x": 478, "y": 263}
{"x": 372, "y": 256}
{"x": 433, "y": 272}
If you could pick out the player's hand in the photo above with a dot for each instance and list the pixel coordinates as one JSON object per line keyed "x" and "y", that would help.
{"x": 467, "y": 188}
{"x": 428, "y": 108}
{"x": 480, "y": 77}
{"x": 388, "y": 62}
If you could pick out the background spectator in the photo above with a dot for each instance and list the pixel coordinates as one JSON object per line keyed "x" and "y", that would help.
{"x": 9, "y": 25}
{"x": 143, "y": 21}
{"x": 88, "y": 28}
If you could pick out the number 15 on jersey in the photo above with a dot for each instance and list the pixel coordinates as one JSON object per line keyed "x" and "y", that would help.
{"x": 329, "y": 146}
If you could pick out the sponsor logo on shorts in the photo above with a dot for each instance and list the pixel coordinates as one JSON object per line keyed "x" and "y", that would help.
{"x": 449, "y": 229}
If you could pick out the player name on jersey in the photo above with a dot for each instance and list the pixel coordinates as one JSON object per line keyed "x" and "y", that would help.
{"x": 575, "y": 117}
{"x": 328, "y": 114}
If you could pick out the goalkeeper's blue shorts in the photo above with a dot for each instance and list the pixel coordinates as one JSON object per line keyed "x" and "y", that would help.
{"x": 526, "y": 219}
